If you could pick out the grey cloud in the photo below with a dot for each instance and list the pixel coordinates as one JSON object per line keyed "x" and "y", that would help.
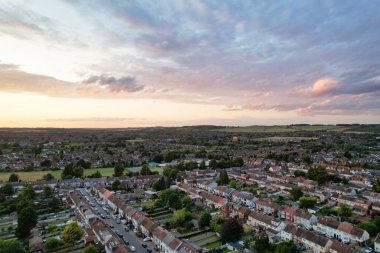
{"x": 115, "y": 84}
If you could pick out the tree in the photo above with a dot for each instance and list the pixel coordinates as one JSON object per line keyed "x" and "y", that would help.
{"x": 78, "y": 172}
{"x": 48, "y": 177}
{"x": 160, "y": 184}
{"x": 119, "y": 170}
{"x": 187, "y": 202}
{"x": 296, "y": 193}
{"x": 318, "y": 174}
{"x": 7, "y": 189}
{"x": 306, "y": 202}
{"x": 205, "y": 219}
{"x": 202, "y": 165}
{"x": 158, "y": 158}
{"x": 28, "y": 192}
{"x": 13, "y": 177}
{"x": 262, "y": 243}
{"x": 72, "y": 233}
{"x": 116, "y": 185}
{"x": 216, "y": 223}
{"x": 233, "y": 184}
{"x": 26, "y": 220}
{"x": 91, "y": 249}
{"x": 145, "y": 170}
{"x": 11, "y": 246}
{"x": 299, "y": 173}
{"x": 68, "y": 172}
{"x": 286, "y": 247}
{"x": 213, "y": 164}
{"x": 46, "y": 163}
{"x": 232, "y": 230}
{"x": 174, "y": 201}
{"x": 344, "y": 212}
{"x": 223, "y": 178}
{"x": 53, "y": 243}
{"x": 181, "y": 217}
{"x": 48, "y": 191}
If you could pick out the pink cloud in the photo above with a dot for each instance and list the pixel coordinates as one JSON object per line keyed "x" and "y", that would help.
{"x": 325, "y": 86}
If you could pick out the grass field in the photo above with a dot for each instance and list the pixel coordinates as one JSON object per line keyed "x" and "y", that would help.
{"x": 294, "y": 128}
{"x": 36, "y": 175}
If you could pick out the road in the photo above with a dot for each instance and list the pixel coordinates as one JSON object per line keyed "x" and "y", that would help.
{"x": 131, "y": 236}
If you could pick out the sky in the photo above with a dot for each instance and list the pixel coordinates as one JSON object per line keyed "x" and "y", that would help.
{"x": 120, "y": 63}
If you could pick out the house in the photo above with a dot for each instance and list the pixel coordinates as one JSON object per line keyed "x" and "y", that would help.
{"x": 377, "y": 243}
{"x": 344, "y": 231}
{"x": 304, "y": 218}
{"x": 147, "y": 226}
{"x": 338, "y": 247}
{"x": 256, "y": 219}
{"x": 316, "y": 243}
{"x": 267, "y": 206}
{"x": 245, "y": 198}
{"x": 224, "y": 191}
{"x": 372, "y": 196}
{"x": 212, "y": 200}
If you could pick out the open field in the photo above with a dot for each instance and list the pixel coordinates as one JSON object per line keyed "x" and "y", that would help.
{"x": 37, "y": 175}
{"x": 294, "y": 128}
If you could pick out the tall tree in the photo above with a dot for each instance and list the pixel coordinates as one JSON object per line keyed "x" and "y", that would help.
{"x": 232, "y": 230}
{"x": 48, "y": 191}
{"x": 13, "y": 177}
{"x": 26, "y": 220}
{"x": 344, "y": 211}
{"x": 72, "y": 233}
{"x": 11, "y": 246}
{"x": 205, "y": 219}
{"x": 286, "y": 247}
{"x": 28, "y": 192}
{"x": 223, "y": 178}
{"x": 145, "y": 170}
{"x": 160, "y": 184}
{"x": 262, "y": 243}
{"x": 202, "y": 165}
{"x": 91, "y": 249}
{"x": 119, "y": 170}
{"x": 296, "y": 193}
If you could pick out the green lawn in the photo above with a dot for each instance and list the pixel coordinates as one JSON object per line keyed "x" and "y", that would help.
{"x": 37, "y": 175}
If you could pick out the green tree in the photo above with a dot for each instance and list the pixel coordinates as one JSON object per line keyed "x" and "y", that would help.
{"x": 13, "y": 177}
{"x": 205, "y": 219}
{"x": 116, "y": 185}
{"x": 7, "y": 189}
{"x": 48, "y": 191}
{"x": 344, "y": 212}
{"x": 160, "y": 184}
{"x": 306, "y": 202}
{"x": 119, "y": 170}
{"x": 286, "y": 247}
{"x": 296, "y": 193}
{"x": 216, "y": 223}
{"x": 202, "y": 165}
{"x": 180, "y": 217}
{"x": 26, "y": 220}
{"x": 299, "y": 173}
{"x": 48, "y": 177}
{"x": 262, "y": 244}
{"x": 53, "y": 243}
{"x": 187, "y": 202}
{"x": 145, "y": 170}
{"x": 213, "y": 164}
{"x": 72, "y": 233}
{"x": 223, "y": 178}
{"x": 78, "y": 172}
{"x": 68, "y": 172}
{"x": 158, "y": 158}
{"x": 318, "y": 174}
{"x": 233, "y": 184}
{"x": 11, "y": 246}
{"x": 28, "y": 192}
{"x": 91, "y": 249}
{"x": 231, "y": 231}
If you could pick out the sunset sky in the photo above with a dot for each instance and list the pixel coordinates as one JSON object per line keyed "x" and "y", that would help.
{"x": 92, "y": 63}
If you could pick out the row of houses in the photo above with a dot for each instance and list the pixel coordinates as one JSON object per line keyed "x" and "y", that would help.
{"x": 162, "y": 238}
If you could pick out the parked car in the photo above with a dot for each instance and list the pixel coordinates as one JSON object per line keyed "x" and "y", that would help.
{"x": 144, "y": 245}
{"x": 368, "y": 250}
{"x": 111, "y": 226}
{"x": 133, "y": 248}
{"x": 125, "y": 240}
{"x": 118, "y": 221}
{"x": 149, "y": 250}
{"x": 146, "y": 239}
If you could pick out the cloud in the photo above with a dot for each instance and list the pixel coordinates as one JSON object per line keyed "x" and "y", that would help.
{"x": 311, "y": 58}
{"x": 325, "y": 86}
{"x": 114, "y": 84}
